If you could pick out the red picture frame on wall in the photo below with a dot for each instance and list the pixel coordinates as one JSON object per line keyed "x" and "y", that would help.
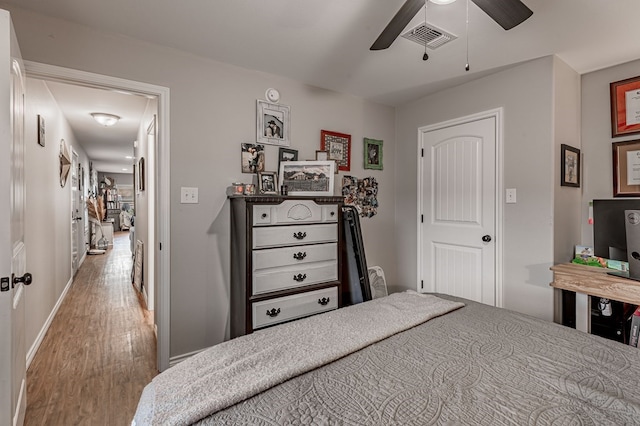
{"x": 625, "y": 107}
{"x": 338, "y": 147}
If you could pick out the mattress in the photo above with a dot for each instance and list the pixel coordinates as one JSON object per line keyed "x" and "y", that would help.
{"x": 477, "y": 365}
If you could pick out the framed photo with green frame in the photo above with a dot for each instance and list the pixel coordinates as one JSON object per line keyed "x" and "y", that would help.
{"x": 372, "y": 154}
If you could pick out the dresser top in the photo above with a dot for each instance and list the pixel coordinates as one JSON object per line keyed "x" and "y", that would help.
{"x": 277, "y": 199}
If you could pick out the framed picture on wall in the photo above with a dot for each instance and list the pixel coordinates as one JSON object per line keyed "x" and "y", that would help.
{"x": 141, "y": 174}
{"x": 338, "y": 147}
{"x": 372, "y": 154}
{"x": 625, "y": 107}
{"x": 626, "y": 169}
{"x": 41, "y": 131}
{"x": 252, "y": 157}
{"x": 569, "y": 166}
{"x": 273, "y": 122}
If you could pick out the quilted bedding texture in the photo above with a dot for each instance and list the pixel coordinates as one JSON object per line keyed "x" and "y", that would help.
{"x": 233, "y": 371}
{"x": 477, "y": 365}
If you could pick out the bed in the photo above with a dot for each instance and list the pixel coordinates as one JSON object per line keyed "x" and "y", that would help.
{"x": 467, "y": 363}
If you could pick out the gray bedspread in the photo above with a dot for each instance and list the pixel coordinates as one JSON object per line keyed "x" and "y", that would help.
{"x": 236, "y": 370}
{"x": 476, "y": 365}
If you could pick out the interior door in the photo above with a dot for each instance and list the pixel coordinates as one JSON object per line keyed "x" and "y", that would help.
{"x": 12, "y": 249}
{"x": 458, "y": 253}
{"x": 76, "y": 231}
{"x": 150, "y": 257}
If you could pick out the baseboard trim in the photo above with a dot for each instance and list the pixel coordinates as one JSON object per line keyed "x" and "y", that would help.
{"x": 36, "y": 345}
{"x": 178, "y": 359}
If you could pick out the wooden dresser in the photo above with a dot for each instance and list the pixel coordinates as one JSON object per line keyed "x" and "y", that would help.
{"x": 286, "y": 259}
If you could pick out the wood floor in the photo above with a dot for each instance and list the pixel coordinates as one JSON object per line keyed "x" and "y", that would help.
{"x": 99, "y": 352}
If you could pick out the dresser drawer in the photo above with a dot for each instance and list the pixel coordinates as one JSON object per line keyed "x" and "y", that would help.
{"x": 274, "y": 311}
{"x": 294, "y": 211}
{"x": 275, "y": 236}
{"x": 287, "y": 277}
{"x": 298, "y": 255}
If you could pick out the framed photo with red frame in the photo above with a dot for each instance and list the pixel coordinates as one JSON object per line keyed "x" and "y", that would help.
{"x": 338, "y": 147}
{"x": 625, "y": 107}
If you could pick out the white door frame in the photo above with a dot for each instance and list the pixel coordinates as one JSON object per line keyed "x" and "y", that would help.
{"x": 497, "y": 114}
{"x": 162, "y": 204}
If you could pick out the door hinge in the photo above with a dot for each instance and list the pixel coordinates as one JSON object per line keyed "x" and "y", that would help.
{"x": 421, "y": 218}
{"x": 422, "y": 284}
{"x": 160, "y": 246}
{"x": 422, "y": 152}
{"x": 4, "y": 284}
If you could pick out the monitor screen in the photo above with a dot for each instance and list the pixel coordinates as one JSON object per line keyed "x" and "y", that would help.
{"x": 609, "y": 235}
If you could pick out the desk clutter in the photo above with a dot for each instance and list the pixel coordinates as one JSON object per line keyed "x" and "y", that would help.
{"x": 610, "y": 299}
{"x": 612, "y": 320}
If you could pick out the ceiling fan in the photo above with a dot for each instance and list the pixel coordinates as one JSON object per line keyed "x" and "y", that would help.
{"x": 507, "y": 13}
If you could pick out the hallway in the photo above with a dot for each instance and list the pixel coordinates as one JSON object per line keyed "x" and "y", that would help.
{"x": 99, "y": 352}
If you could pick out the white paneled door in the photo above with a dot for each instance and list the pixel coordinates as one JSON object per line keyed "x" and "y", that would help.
{"x": 458, "y": 202}
{"x": 12, "y": 250}
{"x": 76, "y": 230}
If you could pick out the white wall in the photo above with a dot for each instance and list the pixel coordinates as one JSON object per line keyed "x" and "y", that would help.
{"x": 526, "y": 94}
{"x": 213, "y": 111}
{"x": 48, "y": 213}
{"x": 120, "y": 178}
{"x": 596, "y": 137}
{"x": 566, "y": 128}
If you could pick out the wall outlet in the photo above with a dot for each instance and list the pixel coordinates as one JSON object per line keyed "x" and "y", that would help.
{"x": 188, "y": 195}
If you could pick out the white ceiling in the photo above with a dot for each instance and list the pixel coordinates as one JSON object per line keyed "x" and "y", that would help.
{"x": 326, "y": 43}
{"x": 107, "y": 147}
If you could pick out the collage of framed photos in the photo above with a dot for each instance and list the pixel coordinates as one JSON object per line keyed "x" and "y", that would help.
{"x": 314, "y": 176}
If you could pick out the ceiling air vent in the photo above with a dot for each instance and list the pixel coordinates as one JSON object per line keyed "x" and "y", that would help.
{"x": 428, "y": 34}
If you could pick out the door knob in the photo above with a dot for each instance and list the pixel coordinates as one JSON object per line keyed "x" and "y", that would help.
{"x": 26, "y": 279}
{"x": 486, "y": 238}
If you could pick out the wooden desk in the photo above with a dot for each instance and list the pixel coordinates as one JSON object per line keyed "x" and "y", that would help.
{"x": 591, "y": 281}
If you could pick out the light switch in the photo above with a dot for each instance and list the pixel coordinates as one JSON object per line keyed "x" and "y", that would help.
{"x": 188, "y": 195}
{"x": 511, "y": 196}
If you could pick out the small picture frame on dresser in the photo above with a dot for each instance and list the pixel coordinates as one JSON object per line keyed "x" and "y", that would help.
{"x": 267, "y": 182}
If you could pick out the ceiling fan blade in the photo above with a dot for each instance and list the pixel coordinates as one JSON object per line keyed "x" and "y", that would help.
{"x": 393, "y": 29}
{"x": 507, "y": 13}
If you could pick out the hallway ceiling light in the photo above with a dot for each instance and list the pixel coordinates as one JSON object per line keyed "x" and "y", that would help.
{"x": 442, "y": 1}
{"x": 105, "y": 119}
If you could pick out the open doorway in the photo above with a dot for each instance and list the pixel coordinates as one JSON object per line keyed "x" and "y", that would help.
{"x": 155, "y": 177}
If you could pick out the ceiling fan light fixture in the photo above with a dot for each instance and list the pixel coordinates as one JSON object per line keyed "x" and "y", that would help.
{"x": 105, "y": 119}
{"x": 442, "y": 1}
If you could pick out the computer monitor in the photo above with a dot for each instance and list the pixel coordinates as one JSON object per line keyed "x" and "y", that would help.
{"x": 609, "y": 232}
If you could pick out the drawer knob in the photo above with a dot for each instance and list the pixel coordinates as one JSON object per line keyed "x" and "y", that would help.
{"x": 324, "y": 301}
{"x": 299, "y": 235}
{"x": 332, "y": 214}
{"x": 299, "y": 255}
{"x": 263, "y": 215}
{"x": 300, "y": 277}
{"x": 273, "y": 312}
